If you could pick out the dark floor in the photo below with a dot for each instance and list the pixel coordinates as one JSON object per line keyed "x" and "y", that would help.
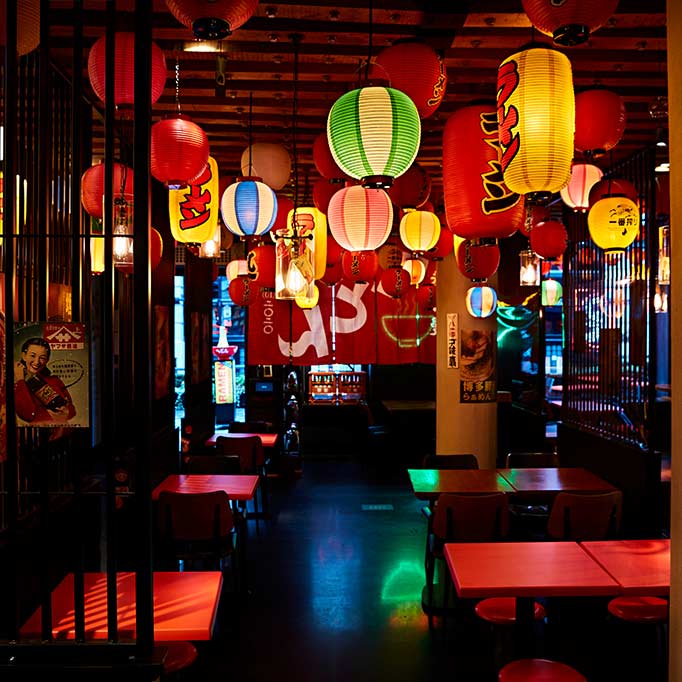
{"x": 335, "y": 580}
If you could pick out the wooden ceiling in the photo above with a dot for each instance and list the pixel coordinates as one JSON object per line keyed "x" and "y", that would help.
{"x": 627, "y": 55}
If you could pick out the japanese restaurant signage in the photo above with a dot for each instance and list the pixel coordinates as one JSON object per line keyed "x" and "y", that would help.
{"x": 478, "y": 355}
{"x": 453, "y": 351}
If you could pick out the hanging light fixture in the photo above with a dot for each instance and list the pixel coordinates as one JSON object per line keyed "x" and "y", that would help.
{"x": 599, "y": 121}
{"x": 96, "y": 247}
{"x": 551, "y": 292}
{"x": 549, "y": 239}
{"x": 529, "y": 274}
{"x": 212, "y": 19}
{"x": 481, "y": 301}
{"x": 419, "y": 230}
{"x": 92, "y": 186}
{"x": 123, "y": 225}
{"x": 613, "y": 223}
{"x": 576, "y": 194}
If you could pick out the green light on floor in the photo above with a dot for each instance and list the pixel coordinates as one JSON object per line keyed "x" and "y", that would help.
{"x": 404, "y": 583}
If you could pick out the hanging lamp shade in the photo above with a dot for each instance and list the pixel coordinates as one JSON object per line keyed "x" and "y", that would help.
{"x": 242, "y": 291}
{"x": 477, "y": 202}
{"x": 529, "y": 268}
{"x": 92, "y": 186}
{"x": 268, "y": 161}
{"x": 477, "y": 261}
{"x": 359, "y": 266}
{"x": 481, "y": 301}
{"x": 419, "y": 230}
{"x": 417, "y": 269}
{"x": 248, "y": 207}
{"x": 549, "y": 239}
{"x": 155, "y": 253}
{"x": 426, "y": 298}
{"x": 536, "y": 119}
{"x": 613, "y": 223}
{"x": 374, "y": 134}
{"x": 193, "y": 210}
{"x": 307, "y": 302}
{"x": 411, "y": 189}
{"x": 360, "y": 218}
{"x": 308, "y": 222}
{"x": 124, "y": 70}
{"x": 576, "y": 194}
{"x": 236, "y": 268}
{"x": 260, "y": 263}
{"x": 599, "y": 121}
{"x": 179, "y": 151}
{"x": 27, "y": 28}
{"x": 608, "y": 186}
{"x": 415, "y": 69}
{"x": 551, "y": 292}
{"x": 324, "y": 161}
{"x": 443, "y": 246}
{"x": 395, "y": 282}
{"x": 569, "y": 22}
{"x": 323, "y": 191}
{"x": 212, "y": 19}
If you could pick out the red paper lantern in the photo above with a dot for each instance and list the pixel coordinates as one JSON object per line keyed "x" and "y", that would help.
{"x": 179, "y": 151}
{"x": 324, "y": 161}
{"x": 155, "y": 253}
{"x": 390, "y": 254}
{"x": 92, "y": 186}
{"x": 477, "y": 261}
{"x": 477, "y": 202}
{"x": 395, "y": 282}
{"x": 27, "y": 26}
{"x": 212, "y": 19}
{"x": 284, "y": 206}
{"x": 411, "y": 189}
{"x": 609, "y": 186}
{"x": 359, "y": 266}
{"x": 416, "y": 69}
{"x": 431, "y": 273}
{"x": 549, "y": 239}
{"x": 443, "y": 246}
{"x": 242, "y": 291}
{"x": 426, "y": 298}
{"x": 260, "y": 262}
{"x": 323, "y": 191}
{"x": 124, "y": 70}
{"x": 599, "y": 121}
{"x": 534, "y": 215}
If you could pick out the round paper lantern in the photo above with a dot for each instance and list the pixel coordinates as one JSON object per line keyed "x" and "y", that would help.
{"x": 324, "y": 161}
{"x": 267, "y": 161}
{"x": 333, "y": 272}
{"x": 360, "y": 218}
{"x": 236, "y": 268}
{"x": 307, "y": 302}
{"x": 212, "y": 19}
{"x": 569, "y": 22}
{"x": 417, "y": 70}
{"x": 551, "y": 292}
{"x": 477, "y": 261}
{"x": 359, "y": 266}
{"x": 536, "y": 119}
{"x": 534, "y": 215}
{"x": 417, "y": 269}
{"x": 124, "y": 70}
{"x": 419, "y": 230}
{"x": 248, "y": 208}
{"x": 155, "y": 253}
{"x": 179, "y": 151}
{"x": 549, "y": 239}
{"x": 260, "y": 263}
{"x": 576, "y": 194}
{"x": 411, "y": 189}
{"x": 284, "y": 207}
{"x": 395, "y": 282}
{"x": 431, "y": 273}
{"x": 477, "y": 202}
{"x": 374, "y": 134}
{"x": 599, "y": 121}
{"x": 242, "y": 291}
{"x": 390, "y": 254}
{"x": 608, "y": 186}
{"x": 481, "y": 301}
{"x": 443, "y": 246}
{"x": 92, "y": 186}
{"x": 28, "y": 25}
{"x": 323, "y": 191}
{"x": 613, "y": 223}
{"x": 426, "y": 298}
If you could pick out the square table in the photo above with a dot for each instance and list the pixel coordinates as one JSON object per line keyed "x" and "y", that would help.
{"x": 552, "y": 480}
{"x": 185, "y": 605}
{"x": 241, "y": 487}
{"x": 639, "y": 566}
{"x": 269, "y": 440}
{"x": 429, "y": 483}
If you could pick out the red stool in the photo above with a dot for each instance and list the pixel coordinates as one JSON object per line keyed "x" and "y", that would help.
{"x": 502, "y": 610}
{"x": 647, "y": 610}
{"x": 179, "y": 656}
{"x": 539, "y": 670}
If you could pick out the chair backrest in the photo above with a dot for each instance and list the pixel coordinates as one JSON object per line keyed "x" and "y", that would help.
{"x": 213, "y": 464}
{"x": 249, "y": 450}
{"x": 471, "y": 518}
{"x": 200, "y": 517}
{"x": 585, "y": 516}
{"x": 520, "y": 460}
{"x": 458, "y": 461}
{"x": 254, "y": 426}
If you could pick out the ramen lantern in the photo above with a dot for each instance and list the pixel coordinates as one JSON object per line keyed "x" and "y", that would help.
{"x": 395, "y": 282}
{"x": 359, "y": 266}
{"x": 477, "y": 261}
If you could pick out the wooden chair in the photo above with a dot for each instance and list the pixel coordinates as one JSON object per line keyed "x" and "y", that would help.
{"x": 585, "y": 516}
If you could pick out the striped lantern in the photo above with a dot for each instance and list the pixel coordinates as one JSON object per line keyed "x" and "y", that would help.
{"x": 477, "y": 261}
{"x": 260, "y": 264}
{"x": 374, "y": 134}
{"x": 236, "y": 268}
{"x": 536, "y": 119}
{"x": 248, "y": 207}
{"x": 268, "y": 161}
{"x": 477, "y": 202}
{"x": 613, "y": 223}
{"x": 417, "y": 269}
{"x": 360, "y": 218}
{"x": 576, "y": 194}
{"x": 212, "y": 19}
{"x": 549, "y": 239}
{"x": 27, "y": 26}
{"x": 411, "y": 189}
{"x": 359, "y": 266}
{"x": 242, "y": 291}
{"x": 481, "y": 301}
{"x": 599, "y": 121}
{"x": 395, "y": 282}
{"x": 419, "y": 230}
{"x": 92, "y": 186}
{"x": 324, "y": 161}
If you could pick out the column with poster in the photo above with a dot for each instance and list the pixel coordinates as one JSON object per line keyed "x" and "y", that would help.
{"x": 478, "y": 354}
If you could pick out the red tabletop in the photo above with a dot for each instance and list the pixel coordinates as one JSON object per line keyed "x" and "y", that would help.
{"x": 429, "y": 483}
{"x": 240, "y": 487}
{"x": 552, "y": 480}
{"x": 639, "y": 566}
{"x": 268, "y": 439}
{"x": 185, "y": 606}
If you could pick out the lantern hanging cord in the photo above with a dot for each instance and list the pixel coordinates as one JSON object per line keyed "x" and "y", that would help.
{"x": 369, "y": 51}
{"x": 177, "y": 84}
{"x": 295, "y": 39}
{"x": 250, "y": 130}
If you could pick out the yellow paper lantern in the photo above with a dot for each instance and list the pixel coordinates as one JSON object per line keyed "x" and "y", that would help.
{"x": 419, "y": 230}
{"x": 96, "y": 248}
{"x": 613, "y": 223}
{"x": 307, "y": 302}
{"x": 536, "y": 121}
{"x": 417, "y": 269}
{"x": 308, "y": 217}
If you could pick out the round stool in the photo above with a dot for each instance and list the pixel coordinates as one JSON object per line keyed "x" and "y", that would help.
{"x": 635, "y": 609}
{"x": 502, "y": 610}
{"x": 539, "y": 670}
{"x": 180, "y": 655}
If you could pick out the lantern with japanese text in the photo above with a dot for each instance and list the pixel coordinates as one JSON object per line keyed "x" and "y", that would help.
{"x": 359, "y": 266}
{"x": 242, "y": 291}
{"x": 212, "y": 19}
{"x": 426, "y": 298}
{"x": 481, "y": 301}
{"x": 390, "y": 254}
{"x": 477, "y": 202}
{"x": 269, "y": 162}
{"x": 477, "y": 261}
{"x": 599, "y": 121}
{"x": 419, "y": 230}
{"x": 260, "y": 262}
{"x": 576, "y": 194}
{"x": 411, "y": 189}
{"x": 534, "y": 214}
{"x": 395, "y": 282}
{"x": 248, "y": 207}
{"x": 92, "y": 186}
{"x": 613, "y": 223}
{"x": 549, "y": 239}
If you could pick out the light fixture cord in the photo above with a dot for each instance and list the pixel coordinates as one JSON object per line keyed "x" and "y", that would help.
{"x": 177, "y": 85}
{"x": 250, "y": 131}
{"x": 369, "y": 52}
{"x": 296, "y": 39}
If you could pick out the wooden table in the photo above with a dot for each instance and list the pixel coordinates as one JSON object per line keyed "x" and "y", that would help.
{"x": 409, "y": 405}
{"x": 185, "y": 606}
{"x": 639, "y": 566}
{"x": 240, "y": 487}
{"x": 428, "y": 484}
{"x": 554, "y": 480}
{"x": 269, "y": 440}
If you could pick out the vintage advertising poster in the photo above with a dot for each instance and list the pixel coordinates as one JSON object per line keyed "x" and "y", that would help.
{"x": 162, "y": 352}
{"x": 477, "y": 361}
{"x": 51, "y": 387}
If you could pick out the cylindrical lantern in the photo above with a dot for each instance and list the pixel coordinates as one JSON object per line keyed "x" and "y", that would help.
{"x": 236, "y": 268}
{"x": 360, "y": 218}
{"x": 599, "y": 121}
{"x": 613, "y": 223}
{"x": 92, "y": 186}
{"x": 323, "y": 191}
{"x": 477, "y": 261}
{"x": 311, "y": 224}
{"x": 307, "y": 302}
{"x": 481, "y": 301}
{"x": 179, "y": 151}
{"x": 443, "y": 246}
{"x": 124, "y": 70}
{"x": 551, "y": 292}
{"x": 212, "y": 19}
{"x": 576, "y": 194}
{"x": 242, "y": 290}
{"x": 417, "y": 70}
{"x": 248, "y": 208}
{"x": 395, "y": 282}
{"x": 374, "y": 134}
{"x": 426, "y": 298}
{"x": 267, "y": 161}
{"x": 411, "y": 189}
{"x": 477, "y": 202}
{"x": 529, "y": 273}
{"x": 155, "y": 253}
{"x": 27, "y": 27}
{"x": 536, "y": 118}
{"x": 569, "y": 22}
{"x": 417, "y": 269}
{"x": 608, "y": 186}
{"x": 324, "y": 161}
{"x": 419, "y": 230}
{"x": 549, "y": 239}
{"x": 359, "y": 266}
{"x": 260, "y": 262}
